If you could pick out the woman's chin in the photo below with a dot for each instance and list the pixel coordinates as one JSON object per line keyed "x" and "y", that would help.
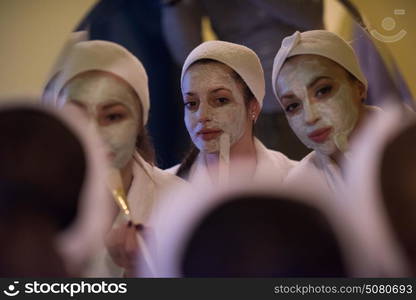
{"x": 327, "y": 149}
{"x": 210, "y": 151}
{"x": 208, "y": 147}
{"x": 121, "y": 162}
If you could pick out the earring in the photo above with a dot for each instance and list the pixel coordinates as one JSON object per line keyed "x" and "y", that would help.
{"x": 253, "y": 115}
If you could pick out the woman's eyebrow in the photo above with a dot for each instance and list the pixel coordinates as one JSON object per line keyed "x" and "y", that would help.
{"x": 107, "y": 106}
{"x": 219, "y": 89}
{"x": 111, "y": 105}
{"x": 288, "y": 95}
{"x": 316, "y": 79}
{"x": 78, "y": 103}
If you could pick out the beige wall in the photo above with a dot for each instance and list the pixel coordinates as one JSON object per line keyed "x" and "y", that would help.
{"x": 32, "y": 33}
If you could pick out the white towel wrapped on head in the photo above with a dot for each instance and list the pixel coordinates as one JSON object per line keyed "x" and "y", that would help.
{"x": 317, "y": 42}
{"x": 241, "y": 59}
{"x": 109, "y": 57}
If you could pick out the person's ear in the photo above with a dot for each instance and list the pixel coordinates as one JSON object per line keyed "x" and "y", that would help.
{"x": 362, "y": 91}
{"x": 254, "y": 110}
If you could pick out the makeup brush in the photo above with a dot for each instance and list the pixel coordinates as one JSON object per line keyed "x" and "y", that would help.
{"x": 115, "y": 185}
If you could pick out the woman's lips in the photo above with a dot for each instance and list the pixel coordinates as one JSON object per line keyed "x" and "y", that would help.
{"x": 320, "y": 135}
{"x": 209, "y": 134}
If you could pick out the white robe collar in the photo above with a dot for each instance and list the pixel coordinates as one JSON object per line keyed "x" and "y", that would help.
{"x": 268, "y": 162}
{"x": 141, "y": 194}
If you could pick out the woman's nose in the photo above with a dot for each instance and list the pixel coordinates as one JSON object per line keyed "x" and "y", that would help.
{"x": 204, "y": 113}
{"x": 311, "y": 113}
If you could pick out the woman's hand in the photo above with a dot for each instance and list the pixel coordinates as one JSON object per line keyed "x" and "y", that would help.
{"x": 123, "y": 246}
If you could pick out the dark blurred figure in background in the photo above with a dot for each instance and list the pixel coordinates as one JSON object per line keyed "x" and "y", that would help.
{"x": 381, "y": 189}
{"x": 54, "y": 205}
{"x": 397, "y": 180}
{"x": 42, "y": 169}
{"x": 136, "y": 25}
{"x": 258, "y": 24}
{"x": 263, "y": 236}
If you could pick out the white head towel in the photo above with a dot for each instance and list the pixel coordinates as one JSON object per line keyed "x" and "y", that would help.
{"x": 239, "y": 58}
{"x": 317, "y": 42}
{"x": 109, "y": 57}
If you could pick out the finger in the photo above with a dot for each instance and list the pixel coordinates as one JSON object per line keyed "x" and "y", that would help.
{"x": 132, "y": 250}
{"x": 115, "y": 244}
{"x": 116, "y": 235}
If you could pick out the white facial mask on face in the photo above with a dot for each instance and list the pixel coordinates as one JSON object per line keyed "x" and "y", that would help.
{"x": 209, "y": 113}
{"x": 339, "y": 111}
{"x": 118, "y": 125}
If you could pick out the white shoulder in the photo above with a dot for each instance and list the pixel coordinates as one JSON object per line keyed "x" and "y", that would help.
{"x": 173, "y": 170}
{"x": 304, "y": 169}
{"x": 272, "y": 162}
{"x": 167, "y": 176}
{"x": 289, "y": 163}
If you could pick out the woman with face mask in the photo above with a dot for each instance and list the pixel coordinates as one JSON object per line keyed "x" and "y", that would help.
{"x": 223, "y": 88}
{"x": 110, "y": 85}
{"x": 318, "y": 82}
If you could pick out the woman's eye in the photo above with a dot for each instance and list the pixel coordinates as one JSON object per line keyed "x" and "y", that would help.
{"x": 291, "y": 107}
{"x": 222, "y": 100}
{"x": 323, "y": 91}
{"x": 114, "y": 117}
{"x": 191, "y": 105}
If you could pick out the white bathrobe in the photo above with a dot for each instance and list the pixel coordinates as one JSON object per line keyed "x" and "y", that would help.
{"x": 147, "y": 187}
{"x": 318, "y": 172}
{"x": 268, "y": 162}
